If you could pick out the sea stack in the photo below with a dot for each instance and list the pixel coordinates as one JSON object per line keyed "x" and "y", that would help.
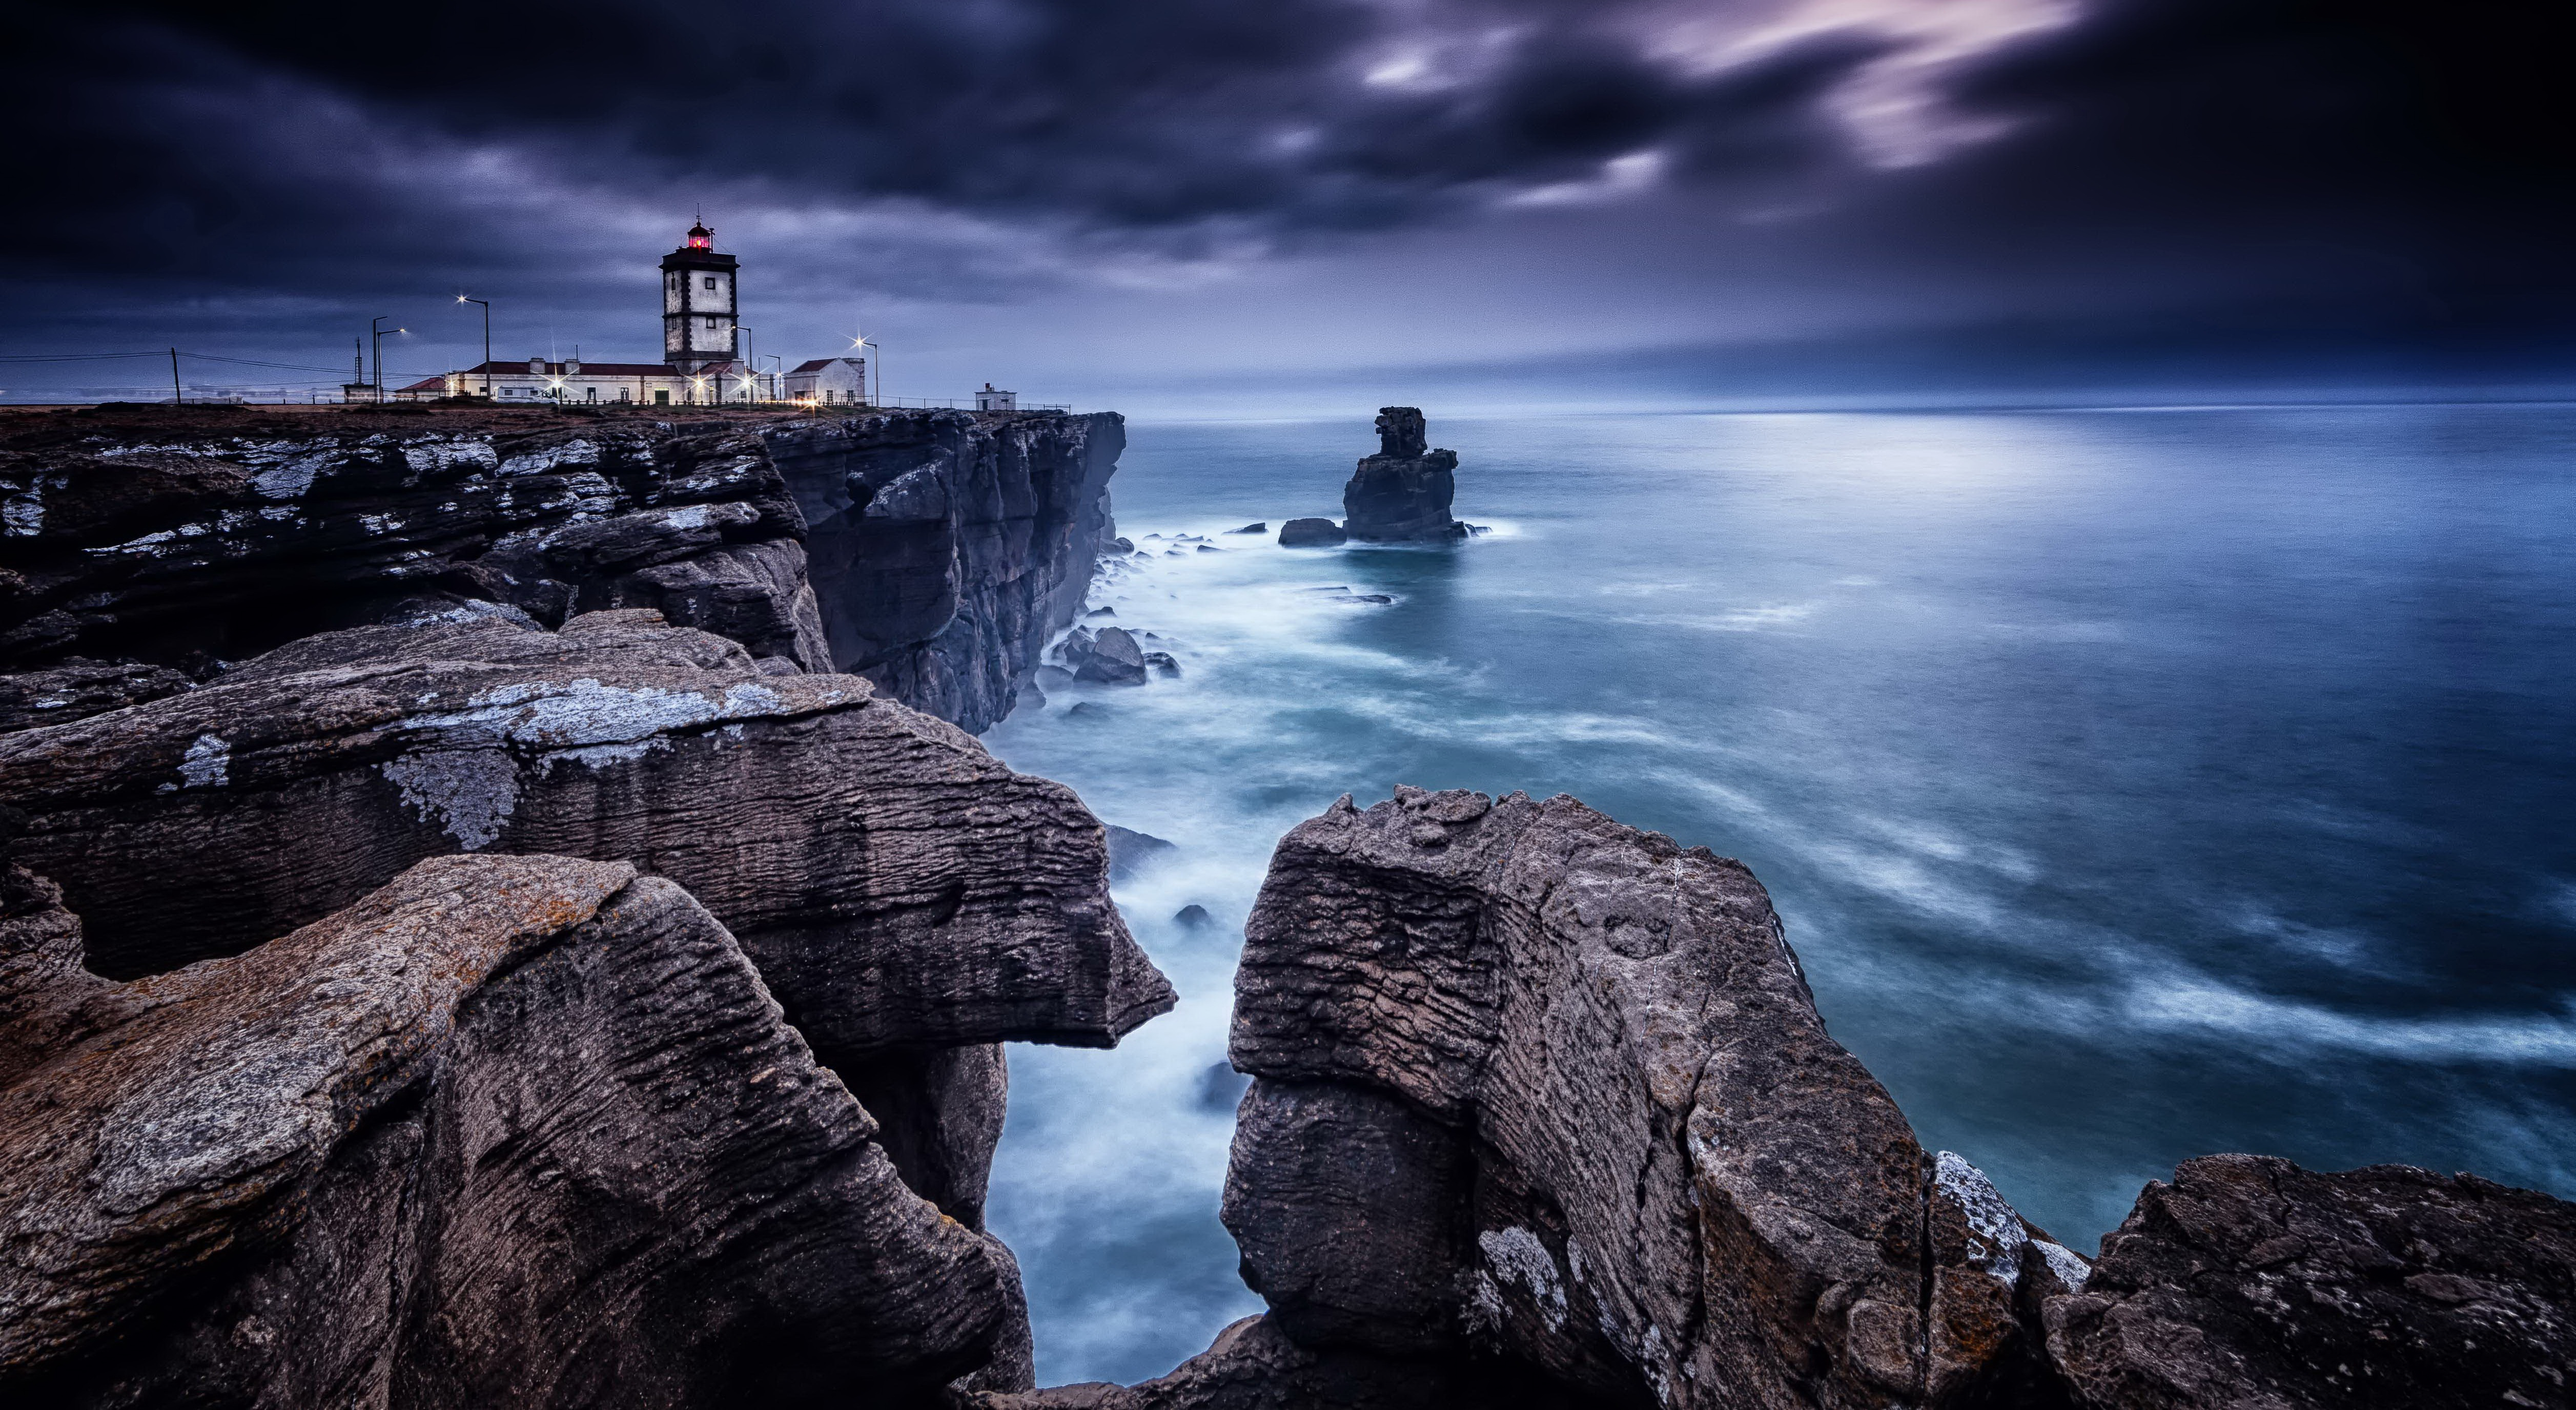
{"x": 1402, "y": 493}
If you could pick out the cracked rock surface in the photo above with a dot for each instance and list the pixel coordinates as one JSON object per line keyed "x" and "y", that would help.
{"x": 507, "y": 1131}
{"x": 169, "y": 537}
{"x": 896, "y": 885}
{"x": 1663, "y": 1183}
{"x": 2250, "y": 1283}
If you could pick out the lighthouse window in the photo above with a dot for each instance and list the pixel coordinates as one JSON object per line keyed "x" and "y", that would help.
{"x": 711, "y": 281}
{"x": 711, "y": 323}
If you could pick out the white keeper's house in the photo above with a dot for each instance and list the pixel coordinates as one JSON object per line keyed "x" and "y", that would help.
{"x": 702, "y": 355}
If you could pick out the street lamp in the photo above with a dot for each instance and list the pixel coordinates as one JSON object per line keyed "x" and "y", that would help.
{"x": 863, "y": 342}
{"x": 748, "y": 361}
{"x": 487, "y": 339}
{"x": 378, "y": 335}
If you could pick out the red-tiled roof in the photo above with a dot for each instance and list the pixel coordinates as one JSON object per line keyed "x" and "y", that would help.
{"x": 426, "y": 384}
{"x": 819, "y": 364}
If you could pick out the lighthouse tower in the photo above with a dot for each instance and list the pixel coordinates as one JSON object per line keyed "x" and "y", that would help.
{"x": 698, "y": 304}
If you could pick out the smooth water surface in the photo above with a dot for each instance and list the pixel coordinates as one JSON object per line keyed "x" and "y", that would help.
{"x": 2134, "y": 785}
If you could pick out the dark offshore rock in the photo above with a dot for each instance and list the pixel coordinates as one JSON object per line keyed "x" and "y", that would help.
{"x": 1665, "y": 1183}
{"x": 163, "y": 539}
{"x": 79, "y": 688}
{"x": 509, "y": 1131}
{"x": 1114, "y": 659}
{"x": 1130, "y": 852}
{"x": 1260, "y": 527}
{"x": 896, "y": 885}
{"x": 946, "y": 547}
{"x": 2248, "y": 1282}
{"x": 1311, "y": 533}
{"x": 1402, "y": 493}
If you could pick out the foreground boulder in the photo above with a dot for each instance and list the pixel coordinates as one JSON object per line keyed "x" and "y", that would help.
{"x": 897, "y": 886}
{"x": 2248, "y": 1282}
{"x": 508, "y": 1131}
{"x": 1402, "y": 493}
{"x": 1568, "y": 1079}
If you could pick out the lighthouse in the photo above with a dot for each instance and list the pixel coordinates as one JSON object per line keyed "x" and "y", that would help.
{"x": 698, "y": 306}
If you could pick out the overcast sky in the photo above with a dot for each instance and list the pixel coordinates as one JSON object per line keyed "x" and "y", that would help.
{"x": 1215, "y": 206}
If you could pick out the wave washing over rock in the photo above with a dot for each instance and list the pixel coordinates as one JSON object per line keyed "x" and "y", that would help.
{"x": 466, "y": 946}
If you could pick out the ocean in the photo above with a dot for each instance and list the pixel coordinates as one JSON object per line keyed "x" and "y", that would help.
{"x": 2134, "y": 784}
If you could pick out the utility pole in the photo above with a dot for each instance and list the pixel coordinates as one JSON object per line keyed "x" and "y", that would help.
{"x": 379, "y": 336}
{"x": 177, "y": 397}
{"x": 487, "y": 339}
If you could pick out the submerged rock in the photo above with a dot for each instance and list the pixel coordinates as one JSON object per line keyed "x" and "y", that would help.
{"x": 1311, "y": 533}
{"x": 1402, "y": 493}
{"x": 1131, "y": 852}
{"x": 424, "y": 1151}
{"x": 1114, "y": 658}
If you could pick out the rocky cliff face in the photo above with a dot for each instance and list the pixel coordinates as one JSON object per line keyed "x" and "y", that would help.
{"x": 946, "y": 548}
{"x": 1403, "y": 492}
{"x": 950, "y": 544}
{"x": 877, "y": 905}
{"x": 1543, "y": 1115}
{"x": 508, "y": 1131}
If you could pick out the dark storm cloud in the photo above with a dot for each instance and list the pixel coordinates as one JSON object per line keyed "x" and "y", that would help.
{"x": 2264, "y": 159}
{"x": 1134, "y": 114}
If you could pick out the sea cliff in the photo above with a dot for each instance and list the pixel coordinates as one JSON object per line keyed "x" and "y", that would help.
{"x": 933, "y": 552}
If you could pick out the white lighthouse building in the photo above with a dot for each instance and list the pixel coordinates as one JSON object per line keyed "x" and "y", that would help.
{"x": 698, "y": 303}
{"x": 701, "y": 355}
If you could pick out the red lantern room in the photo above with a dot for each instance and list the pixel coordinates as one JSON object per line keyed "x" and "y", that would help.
{"x": 701, "y": 238}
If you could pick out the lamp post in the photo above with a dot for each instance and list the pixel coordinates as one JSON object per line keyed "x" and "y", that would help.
{"x": 487, "y": 339}
{"x": 748, "y": 361}
{"x": 863, "y": 342}
{"x": 378, "y": 335}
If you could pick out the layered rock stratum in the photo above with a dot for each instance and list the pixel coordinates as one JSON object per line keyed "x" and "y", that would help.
{"x": 507, "y": 1131}
{"x": 934, "y": 552}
